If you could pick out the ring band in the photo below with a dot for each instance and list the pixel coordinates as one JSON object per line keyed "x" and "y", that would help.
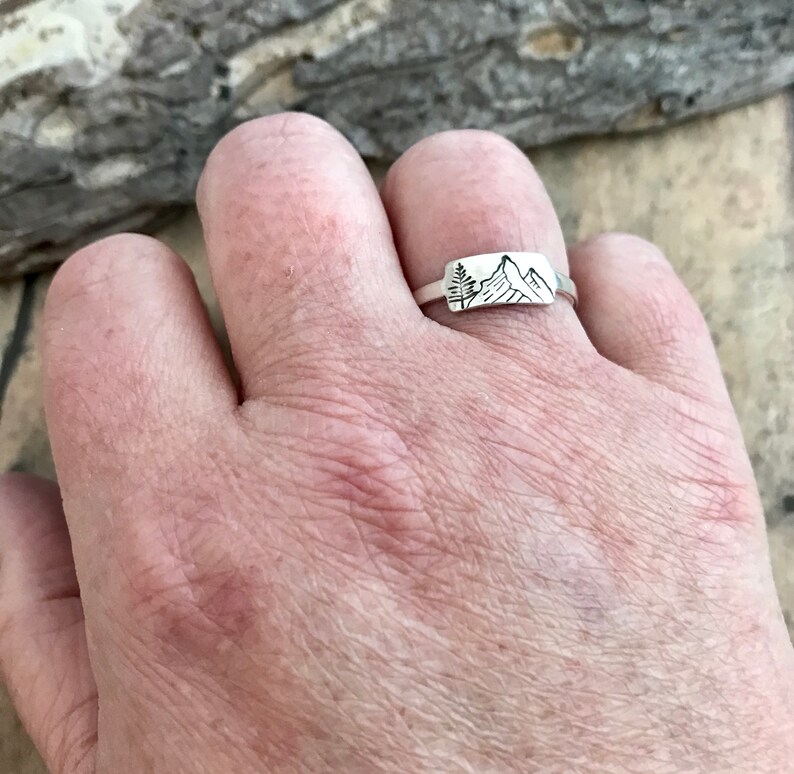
{"x": 497, "y": 279}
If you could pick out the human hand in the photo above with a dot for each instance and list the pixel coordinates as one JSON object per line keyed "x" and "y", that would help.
{"x": 515, "y": 539}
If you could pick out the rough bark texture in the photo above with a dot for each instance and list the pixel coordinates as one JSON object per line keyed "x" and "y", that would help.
{"x": 107, "y": 110}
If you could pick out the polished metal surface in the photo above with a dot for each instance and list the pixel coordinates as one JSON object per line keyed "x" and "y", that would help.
{"x": 498, "y": 279}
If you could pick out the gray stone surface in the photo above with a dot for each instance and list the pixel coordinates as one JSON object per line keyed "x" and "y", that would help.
{"x": 109, "y": 107}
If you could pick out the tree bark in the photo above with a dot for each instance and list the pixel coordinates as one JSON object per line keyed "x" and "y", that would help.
{"x": 108, "y": 110}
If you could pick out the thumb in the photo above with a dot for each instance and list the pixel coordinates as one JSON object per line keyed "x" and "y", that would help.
{"x": 43, "y": 653}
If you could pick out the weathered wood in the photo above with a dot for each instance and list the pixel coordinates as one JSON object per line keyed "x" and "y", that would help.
{"x": 107, "y": 110}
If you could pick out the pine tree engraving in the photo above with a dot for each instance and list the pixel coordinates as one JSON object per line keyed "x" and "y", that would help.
{"x": 462, "y": 287}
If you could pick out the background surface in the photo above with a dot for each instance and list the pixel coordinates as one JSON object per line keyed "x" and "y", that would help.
{"x": 716, "y": 194}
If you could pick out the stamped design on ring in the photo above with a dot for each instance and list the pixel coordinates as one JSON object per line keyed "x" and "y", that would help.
{"x": 497, "y": 279}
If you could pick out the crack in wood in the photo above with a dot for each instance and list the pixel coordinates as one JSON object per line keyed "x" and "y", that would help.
{"x": 15, "y": 347}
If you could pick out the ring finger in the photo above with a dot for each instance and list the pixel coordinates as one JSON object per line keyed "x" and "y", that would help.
{"x": 465, "y": 193}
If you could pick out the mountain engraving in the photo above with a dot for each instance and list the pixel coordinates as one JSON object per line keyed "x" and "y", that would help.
{"x": 507, "y": 285}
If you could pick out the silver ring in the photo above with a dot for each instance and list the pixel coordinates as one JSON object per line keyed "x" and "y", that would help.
{"x": 496, "y": 279}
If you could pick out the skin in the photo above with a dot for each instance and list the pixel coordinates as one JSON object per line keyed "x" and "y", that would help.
{"x": 513, "y": 540}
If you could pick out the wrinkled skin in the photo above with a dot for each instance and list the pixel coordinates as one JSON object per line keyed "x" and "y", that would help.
{"x": 514, "y": 540}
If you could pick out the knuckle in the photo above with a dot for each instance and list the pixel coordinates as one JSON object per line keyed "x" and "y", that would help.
{"x": 104, "y": 308}
{"x": 717, "y": 480}
{"x": 631, "y": 245}
{"x": 291, "y": 125}
{"x": 363, "y": 501}
{"x": 107, "y": 263}
{"x": 193, "y": 610}
{"x": 723, "y": 512}
{"x": 474, "y": 144}
{"x": 180, "y": 580}
{"x": 467, "y": 140}
{"x": 273, "y": 183}
{"x": 253, "y": 137}
{"x": 282, "y": 126}
{"x": 666, "y": 311}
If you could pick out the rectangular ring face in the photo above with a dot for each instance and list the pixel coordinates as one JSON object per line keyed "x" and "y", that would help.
{"x": 497, "y": 279}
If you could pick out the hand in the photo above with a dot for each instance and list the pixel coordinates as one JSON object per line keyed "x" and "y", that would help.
{"x": 510, "y": 540}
